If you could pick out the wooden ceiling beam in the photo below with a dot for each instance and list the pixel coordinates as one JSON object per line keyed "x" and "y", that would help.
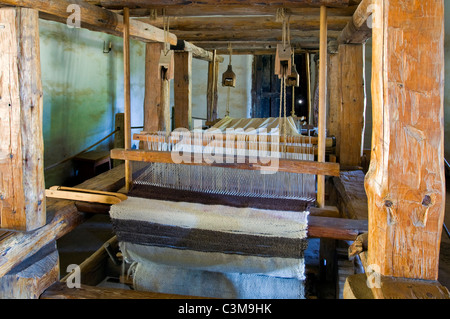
{"x": 259, "y": 35}
{"x": 197, "y": 52}
{"x": 304, "y": 23}
{"x": 94, "y": 18}
{"x": 155, "y": 4}
{"x": 256, "y": 47}
{"x": 217, "y": 10}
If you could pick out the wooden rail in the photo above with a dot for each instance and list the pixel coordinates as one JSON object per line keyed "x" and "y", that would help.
{"x": 284, "y": 165}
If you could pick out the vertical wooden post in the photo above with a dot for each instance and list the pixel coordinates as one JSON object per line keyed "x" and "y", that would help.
{"x": 322, "y": 102}
{"x": 153, "y": 86}
{"x": 406, "y": 183}
{"x": 22, "y": 182}
{"x": 127, "y": 94}
{"x": 183, "y": 90}
{"x": 308, "y": 84}
{"x": 164, "y": 114}
{"x": 334, "y": 100}
{"x": 212, "y": 95}
{"x": 353, "y": 103}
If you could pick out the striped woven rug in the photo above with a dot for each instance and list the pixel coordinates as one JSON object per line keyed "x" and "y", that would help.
{"x": 242, "y": 247}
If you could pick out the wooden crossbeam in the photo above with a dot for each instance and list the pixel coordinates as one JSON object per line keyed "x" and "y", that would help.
{"x": 256, "y": 23}
{"x": 227, "y": 11}
{"x": 289, "y": 166}
{"x": 357, "y": 30}
{"x": 224, "y": 3}
{"x": 197, "y": 52}
{"x": 94, "y": 18}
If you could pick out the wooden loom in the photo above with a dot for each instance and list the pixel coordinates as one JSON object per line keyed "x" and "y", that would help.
{"x": 21, "y": 245}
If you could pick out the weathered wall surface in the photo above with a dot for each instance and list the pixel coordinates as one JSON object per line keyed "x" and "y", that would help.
{"x": 83, "y": 90}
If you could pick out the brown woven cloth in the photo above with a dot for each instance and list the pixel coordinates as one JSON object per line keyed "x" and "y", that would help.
{"x": 168, "y": 194}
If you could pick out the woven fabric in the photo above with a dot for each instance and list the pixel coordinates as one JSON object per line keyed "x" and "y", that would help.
{"x": 190, "y": 282}
{"x": 212, "y": 240}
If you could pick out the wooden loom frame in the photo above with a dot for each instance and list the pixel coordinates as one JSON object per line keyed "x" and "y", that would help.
{"x": 21, "y": 245}
{"x": 320, "y": 168}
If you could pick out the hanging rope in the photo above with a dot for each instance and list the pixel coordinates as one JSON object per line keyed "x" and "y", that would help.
{"x": 293, "y": 87}
{"x": 283, "y": 15}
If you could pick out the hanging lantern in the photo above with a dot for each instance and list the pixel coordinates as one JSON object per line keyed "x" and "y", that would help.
{"x": 229, "y": 77}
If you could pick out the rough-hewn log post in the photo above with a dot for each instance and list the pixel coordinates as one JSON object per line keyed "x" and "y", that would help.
{"x": 183, "y": 90}
{"x": 406, "y": 182}
{"x": 213, "y": 86}
{"x": 22, "y": 185}
{"x": 152, "y": 102}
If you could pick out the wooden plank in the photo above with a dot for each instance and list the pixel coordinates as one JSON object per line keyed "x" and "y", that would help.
{"x": 95, "y": 19}
{"x": 352, "y": 98}
{"x": 335, "y": 228}
{"x": 22, "y": 185}
{"x": 322, "y": 102}
{"x": 84, "y": 197}
{"x": 60, "y": 291}
{"x": 406, "y": 180}
{"x": 183, "y": 90}
{"x": 290, "y": 166}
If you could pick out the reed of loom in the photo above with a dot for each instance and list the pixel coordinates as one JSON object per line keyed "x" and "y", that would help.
{"x": 228, "y": 181}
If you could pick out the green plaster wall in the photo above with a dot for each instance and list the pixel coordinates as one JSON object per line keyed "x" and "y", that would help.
{"x": 83, "y": 90}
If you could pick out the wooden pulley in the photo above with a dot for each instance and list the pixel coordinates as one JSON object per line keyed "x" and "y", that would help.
{"x": 229, "y": 78}
{"x": 166, "y": 65}
{"x": 283, "y": 61}
{"x": 294, "y": 78}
